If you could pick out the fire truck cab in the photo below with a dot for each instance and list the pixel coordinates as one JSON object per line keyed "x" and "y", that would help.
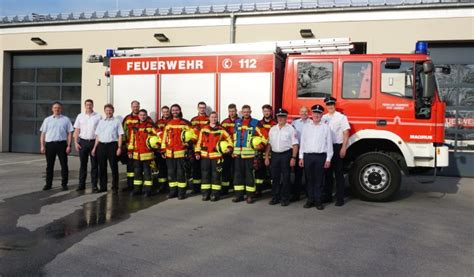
{"x": 394, "y": 110}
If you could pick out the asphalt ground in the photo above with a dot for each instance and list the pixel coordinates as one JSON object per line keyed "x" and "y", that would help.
{"x": 426, "y": 231}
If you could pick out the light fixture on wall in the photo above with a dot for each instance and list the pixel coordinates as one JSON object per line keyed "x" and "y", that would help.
{"x": 306, "y": 33}
{"x": 38, "y": 41}
{"x": 161, "y": 37}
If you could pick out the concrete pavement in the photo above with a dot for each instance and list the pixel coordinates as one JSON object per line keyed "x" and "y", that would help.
{"x": 426, "y": 231}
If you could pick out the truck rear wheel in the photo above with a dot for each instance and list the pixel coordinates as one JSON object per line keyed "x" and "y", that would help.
{"x": 375, "y": 177}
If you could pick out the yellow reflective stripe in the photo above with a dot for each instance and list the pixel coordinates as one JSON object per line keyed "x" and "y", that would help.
{"x": 130, "y": 174}
{"x": 162, "y": 180}
{"x": 146, "y": 156}
{"x": 205, "y": 186}
{"x": 173, "y": 184}
{"x": 239, "y": 187}
{"x": 181, "y": 185}
{"x": 196, "y": 181}
{"x": 148, "y": 183}
{"x": 225, "y": 184}
{"x": 250, "y": 189}
{"x": 175, "y": 154}
{"x": 137, "y": 182}
{"x": 258, "y": 181}
{"x": 216, "y": 187}
{"x": 215, "y": 155}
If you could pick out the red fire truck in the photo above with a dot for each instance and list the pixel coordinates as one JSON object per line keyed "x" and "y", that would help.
{"x": 391, "y": 100}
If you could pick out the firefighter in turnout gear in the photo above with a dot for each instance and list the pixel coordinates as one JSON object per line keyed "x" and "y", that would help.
{"x": 173, "y": 148}
{"x": 162, "y": 178}
{"x": 228, "y": 164}
{"x": 198, "y": 122}
{"x": 248, "y": 136}
{"x": 127, "y": 125}
{"x": 141, "y": 154}
{"x": 213, "y": 141}
{"x": 262, "y": 172}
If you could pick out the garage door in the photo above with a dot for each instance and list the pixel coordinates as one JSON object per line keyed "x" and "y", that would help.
{"x": 37, "y": 81}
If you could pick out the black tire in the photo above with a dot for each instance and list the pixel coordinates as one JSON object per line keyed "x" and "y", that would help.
{"x": 375, "y": 177}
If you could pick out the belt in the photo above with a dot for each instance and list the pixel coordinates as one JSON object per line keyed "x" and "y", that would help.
{"x": 57, "y": 141}
{"x": 284, "y": 152}
{"x": 314, "y": 153}
{"x": 107, "y": 142}
{"x": 89, "y": 140}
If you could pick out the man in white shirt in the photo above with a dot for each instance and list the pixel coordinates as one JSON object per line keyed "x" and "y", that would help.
{"x": 108, "y": 145}
{"x": 283, "y": 143}
{"x": 84, "y": 138}
{"x": 298, "y": 185}
{"x": 315, "y": 155}
{"x": 340, "y": 127}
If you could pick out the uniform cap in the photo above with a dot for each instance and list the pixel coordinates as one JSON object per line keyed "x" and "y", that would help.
{"x": 330, "y": 101}
{"x": 317, "y": 109}
{"x": 281, "y": 112}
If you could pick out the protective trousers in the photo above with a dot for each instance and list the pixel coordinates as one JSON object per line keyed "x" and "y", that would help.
{"x": 176, "y": 176}
{"x": 142, "y": 177}
{"x": 243, "y": 177}
{"x": 210, "y": 177}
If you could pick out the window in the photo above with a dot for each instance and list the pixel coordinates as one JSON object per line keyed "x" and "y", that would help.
{"x": 399, "y": 81}
{"x": 357, "y": 80}
{"x": 314, "y": 79}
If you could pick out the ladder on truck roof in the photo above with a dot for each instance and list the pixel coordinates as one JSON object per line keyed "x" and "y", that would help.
{"x": 311, "y": 46}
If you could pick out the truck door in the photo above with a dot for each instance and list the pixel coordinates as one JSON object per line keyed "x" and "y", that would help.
{"x": 395, "y": 101}
{"x": 354, "y": 96}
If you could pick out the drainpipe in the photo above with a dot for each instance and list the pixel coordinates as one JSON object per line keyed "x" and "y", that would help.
{"x": 232, "y": 28}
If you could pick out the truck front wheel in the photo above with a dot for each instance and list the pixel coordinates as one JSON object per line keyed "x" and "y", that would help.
{"x": 375, "y": 177}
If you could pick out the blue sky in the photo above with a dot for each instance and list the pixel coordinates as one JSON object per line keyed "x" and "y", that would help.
{"x": 25, "y": 7}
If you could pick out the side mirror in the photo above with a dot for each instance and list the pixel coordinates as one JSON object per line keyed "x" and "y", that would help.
{"x": 429, "y": 84}
{"x": 428, "y": 67}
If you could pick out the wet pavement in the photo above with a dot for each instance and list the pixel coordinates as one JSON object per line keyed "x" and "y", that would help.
{"x": 428, "y": 230}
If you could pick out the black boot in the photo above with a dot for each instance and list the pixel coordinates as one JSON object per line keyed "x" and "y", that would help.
{"x": 137, "y": 190}
{"x": 215, "y": 196}
{"x": 308, "y": 204}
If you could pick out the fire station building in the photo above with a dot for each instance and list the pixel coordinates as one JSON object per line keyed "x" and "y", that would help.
{"x": 46, "y": 58}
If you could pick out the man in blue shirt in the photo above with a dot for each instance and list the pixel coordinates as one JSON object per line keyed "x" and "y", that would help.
{"x": 55, "y": 140}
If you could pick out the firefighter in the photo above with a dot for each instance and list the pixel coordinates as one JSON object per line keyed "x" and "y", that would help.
{"x": 340, "y": 127}
{"x": 262, "y": 173}
{"x": 248, "y": 138}
{"x": 127, "y": 125}
{"x": 227, "y": 167}
{"x": 283, "y": 142}
{"x": 213, "y": 141}
{"x": 177, "y": 134}
{"x": 142, "y": 156}
{"x": 315, "y": 155}
{"x": 198, "y": 122}
{"x": 162, "y": 178}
